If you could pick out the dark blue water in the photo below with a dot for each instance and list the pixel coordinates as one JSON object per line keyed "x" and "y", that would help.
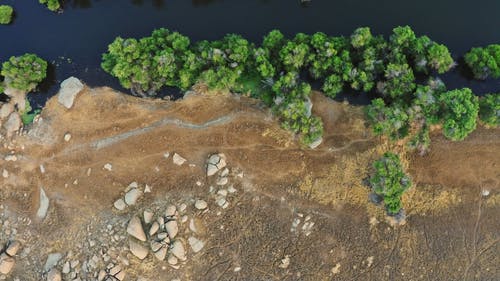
{"x": 74, "y": 40}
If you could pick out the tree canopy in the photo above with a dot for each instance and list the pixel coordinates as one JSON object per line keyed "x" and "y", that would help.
{"x": 459, "y": 111}
{"x": 484, "y": 62}
{"x": 53, "y": 5}
{"x": 24, "y": 72}
{"x": 6, "y": 12}
{"x": 489, "y": 109}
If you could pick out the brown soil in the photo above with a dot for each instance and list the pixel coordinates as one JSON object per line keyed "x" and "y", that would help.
{"x": 451, "y": 231}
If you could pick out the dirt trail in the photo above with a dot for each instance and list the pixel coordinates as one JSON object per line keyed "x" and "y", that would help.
{"x": 291, "y": 214}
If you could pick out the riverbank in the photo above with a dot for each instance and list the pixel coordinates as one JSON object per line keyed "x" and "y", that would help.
{"x": 280, "y": 212}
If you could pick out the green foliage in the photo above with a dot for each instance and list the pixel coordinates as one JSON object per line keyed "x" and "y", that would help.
{"x": 293, "y": 55}
{"x": 459, "y": 111}
{"x": 361, "y": 37}
{"x": 333, "y": 85}
{"x": 29, "y": 114}
{"x": 489, "y": 109}
{"x": 53, "y": 5}
{"x": 390, "y": 181}
{"x": 6, "y": 12}
{"x": 399, "y": 81}
{"x": 24, "y": 72}
{"x": 403, "y": 37}
{"x": 484, "y": 62}
{"x": 391, "y": 121}
{"x": 439, "y": 58}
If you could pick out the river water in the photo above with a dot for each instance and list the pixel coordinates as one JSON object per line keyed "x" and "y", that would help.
{"x": 75, "y": 40}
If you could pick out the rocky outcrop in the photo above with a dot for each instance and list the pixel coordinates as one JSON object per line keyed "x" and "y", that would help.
{"x": 70, "y": 88}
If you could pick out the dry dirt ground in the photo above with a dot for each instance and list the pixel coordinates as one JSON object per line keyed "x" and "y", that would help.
{"x": 297, "y": 214}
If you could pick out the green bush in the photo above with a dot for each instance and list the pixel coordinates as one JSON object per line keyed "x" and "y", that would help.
{"x": 391, "y": 121}
{"x": 459, "y": 111}
{"x": 390, "y": 181}
{"x": 53, "y": 5}
{"x": 489, "y": 109}
{"x": 484, "y": 62}
{"x": 5, "y": 14}
{"x": 24, "y": 72}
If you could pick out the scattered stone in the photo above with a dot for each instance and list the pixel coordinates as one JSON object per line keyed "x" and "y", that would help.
{"x": 222, "y": 192}
{"x": 161, "y": 253}
{"x": 172, "y": 228}
{"x": 44, "y": 205}
{"x": 68, "y": 92}
{"x": 215, "y": 163}
{"x": 178, "y": 250}
{"x": 108, "y": 167}
{"x": 6, "y": 264}
{"x": 154, "y": 228}
{"x": 196, "y": 244}
{"x": 170, "y": 212}
{"x": 134, "y": 228}
{"x": 5, "y": 174}
{"x": 178, "y": 160}
{"x": 67, "y": 137}
{"x": 285, "y": 262}
{"x": 13, "y": 248}
{"x": 198, "y": 183}
{"x": 138, "y": 250}
{"x": 132, "y": 196}
{"x": 200, "y": 204}
{"x": 120, "y": 204}
{"x": 54, "y": 275}
{"x": 221, "y": 201}
{"x": 51, "y": 261}
{"x": 148, "y": 216}
{"x": 369, "y": 261}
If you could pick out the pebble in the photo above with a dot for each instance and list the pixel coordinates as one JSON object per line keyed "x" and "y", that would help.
{"x": 224, "y": 172}
{"x": 182, "y": 207}
{"x": 6, "y": 264}
{"x": 52, "y": 260}
{"x": 44, "y": 205}
{"x": 133, "y": 184}
{"x": 196, "y": 244}
{"x": 172, "y": 228}
{"x": 138, "y": 250}
{"x": 222, "y": 192}
{"x": 221, "y": 201}
{"x": 156, "y": 246}
{"x": 132, "y": 196}
{"x": 13, "y": 248}
{"x": 231, "y": 189}
{"x": 134, "y": 228}
{"x": 222, "y": 181}
{"x": 10, "y": 157}
{"x": 192, "y": 226}
{"x": 42, "y": 169}
{"x": 66, "y": 268}
{"x": 200, "y": 204}
{"x": 147, "y": 189}
{"x": 172, "y": 260}
{"x": 166, "y": 154}
{"x": 161, "y": 253}
{"x": 285, "y": 262}
{"x": 120, "y": 204}
{"x": 215, "y": 163}
{"x": 154, "y": 228}
{"x": 170, "y": 212}
{"x": 148, "y": 216}
{"x": 178, "y": 250}
{"x": 54, "y": 275}
{"x": 5, "y": 174}
{"x": 178, "y": 160}
{"x": 237, "y": 269}
{"x": 108, "y": 167}
{"x": 485, "y": 192}
{"x": 67, "y": 137}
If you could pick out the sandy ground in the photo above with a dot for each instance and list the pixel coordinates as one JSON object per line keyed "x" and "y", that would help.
{"x": 451, "y": 232}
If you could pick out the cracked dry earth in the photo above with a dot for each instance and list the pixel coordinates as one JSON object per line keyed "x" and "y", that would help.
{"x": 129, "y": 197}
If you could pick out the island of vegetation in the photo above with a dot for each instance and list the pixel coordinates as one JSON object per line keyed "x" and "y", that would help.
{"x": 6, "y": 12}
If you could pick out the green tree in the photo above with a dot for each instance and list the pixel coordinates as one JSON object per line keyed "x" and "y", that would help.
{"x": 459, "y": 111}
{"x": 5, "y": 14}
{"x": 403, "y": 37}
{"x": 484, "y": 62}
{"x": 361, "y": 37}
{"x": 399, "y": 81}
{"x": 390, "y": 181}
{"x": 391, "y": 121}
{"x": 293, "y": 55}
{"x": 489, "y": 109}
{"x": 24, "y": 72}
{"x": 53, "y": 5}
{"x": 333, "y": 85}
{"x": 439, "y": 58}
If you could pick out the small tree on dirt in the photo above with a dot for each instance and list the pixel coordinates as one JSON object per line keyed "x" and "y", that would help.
{"x": 24, "y": 72}
{"x": 390, "y": 181}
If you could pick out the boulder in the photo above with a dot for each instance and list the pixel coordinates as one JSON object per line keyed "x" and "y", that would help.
{"x": 52, "y": 260}
{"x": 172, "y": 228}
{"x": 177, "y": 249}
{"x": 200, "y": 204}
{"x": 135, "y": 229}
{"x": 54, "y": 275}
{"x": 132, "y": 196}
{"x": 13, "y": 123}
{"x": 178, "y": 160}
{"x": 215, "y": 163}
{"x": 6, "y": 264}
{"x": 6, "y": 109}
{"x": 196, "y": 244}
{"x": 44, "y": 205}
{"x": 13, "y": 248}
{"x": 70, "y": 88}
{"x": 138, "y": 250}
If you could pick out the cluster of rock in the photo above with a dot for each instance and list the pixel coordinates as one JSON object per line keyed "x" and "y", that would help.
{"x": 7, "y": 260}
{"x": 306, "y": 227}
{"x": 131, "y": 196}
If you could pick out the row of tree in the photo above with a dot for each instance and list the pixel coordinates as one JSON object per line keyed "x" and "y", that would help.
{"x": 276, "y": 72}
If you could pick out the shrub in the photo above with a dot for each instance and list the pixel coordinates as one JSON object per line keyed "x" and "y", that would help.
{"x": 53, "y": 5}
{"x": 489, "y": 109}
{"x": 5, "y": 14}
{"x": 459, "y": 111}
{"x": 391, "y": 121}
{"x": 24, "y": 72}
{"x": 390, "y": 181}
{"x": 484, "y": 62}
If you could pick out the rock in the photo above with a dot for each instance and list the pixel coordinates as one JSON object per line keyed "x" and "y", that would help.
{"x": 172, "y": 260}
{"x": 222, "y": 181}
{"x": 196, "y": 244}
{"x": 170, "y": 212}
{"x": 10, "y": 157}
{"x": 215, "y": 163}
{"x": 138, "y": 250}
{"x": 221, "y": 201}
{"x": 166, "y": 154}
{"x": 172, "y": 228}
{"x": 120, "y": 275}
{"x": 52, "y": 260}
{"x": 5, "y": 174}
{"x": 316, "y": 143}
{"x": 156, "y": 246}
{"x": 13, "y": 248}
{"x": 161, "y": 253}
{"x": 178, "y": 160}
{"x": 231, "y": 189}
{"x": 134, "y": 228}
{"x": 177, "y": 249}
{"x": 120, "y": 204}
{"x": 148, "y": 216}
{"x": 13, "y": 123}
{"x": 66, "y": 268}
{"x": 6, "y": 109}
{"x": 224, "y": 172}
{"x": 192, "y": 226}
{"x": 285, "y": 262}
{"x": 101, "y": 276}
{"x": 68, "y": 92}
{"x": 44, "y": 205}
{"x": 485, "y": 192}
{"x": 115, "y": 270}
{"x": 200, "y": 204}
{"x": 108, "y": 167}
{"x": 154, "y": 228}
{"x": 375, "y": 198}
{"x": 54, "y": 275}
{"x": 147, "y": 189}
{"x": 132, "y": 196}
{"x": 6, "y": 264}
{"x": 42, "y": 169}
{"x": 222, "y": 192}
{"x": 182, "y": 207}
{"x": 67, "y": 137}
